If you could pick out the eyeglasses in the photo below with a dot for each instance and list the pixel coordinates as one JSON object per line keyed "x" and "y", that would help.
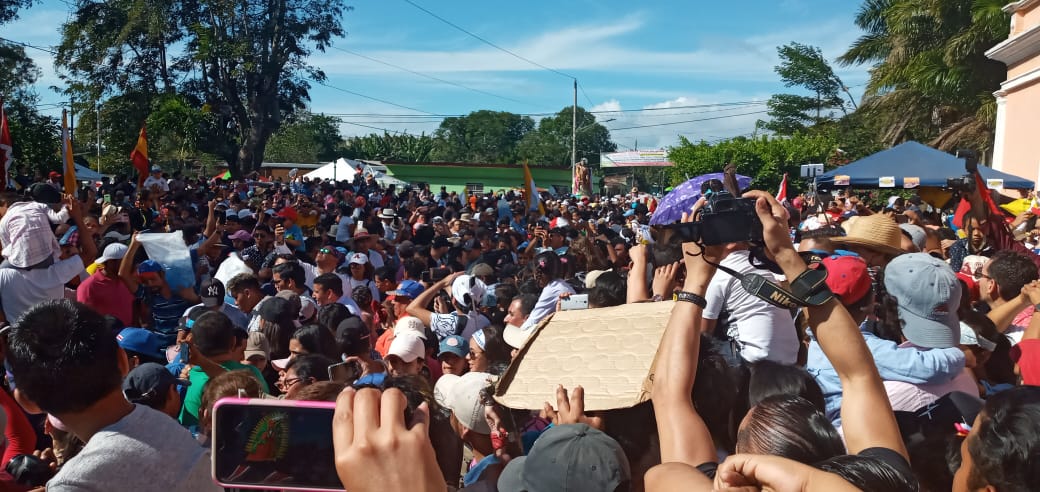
{"x": 288, "y": 383}
{"x": 326, "y": 251}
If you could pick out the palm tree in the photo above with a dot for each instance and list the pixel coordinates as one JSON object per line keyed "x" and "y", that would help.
{"x": 930, "y": 79}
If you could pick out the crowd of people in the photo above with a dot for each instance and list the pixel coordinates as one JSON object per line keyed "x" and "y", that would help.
{"x": 910, "y": 370}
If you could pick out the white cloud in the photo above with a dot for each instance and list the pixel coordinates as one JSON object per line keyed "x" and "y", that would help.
{"x": 611, "y": 105}
{"x": 601, "y": 46}
{"x": 660, "y": 127}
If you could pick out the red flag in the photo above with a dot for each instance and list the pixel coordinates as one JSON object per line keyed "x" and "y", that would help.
{"x": 781, "y": 195}
{"x": 6, "y": 152}
{"x": 964, "y": 206}
{"x": 139, "y": 157}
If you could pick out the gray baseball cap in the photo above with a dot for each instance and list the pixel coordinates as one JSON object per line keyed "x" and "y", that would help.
{"x": 572, "y": 457}
{"x": 928, "y": 295}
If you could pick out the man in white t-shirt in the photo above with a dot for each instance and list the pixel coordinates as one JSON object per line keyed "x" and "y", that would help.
{"x": 758, "y": 329}
{"x": 156, "y": 180}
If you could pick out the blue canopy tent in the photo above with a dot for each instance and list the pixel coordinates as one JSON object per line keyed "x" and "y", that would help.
{"x": 910, "y": 160}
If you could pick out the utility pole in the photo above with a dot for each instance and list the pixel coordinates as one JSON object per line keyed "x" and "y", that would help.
{"x": 574, "y": 136}
{"x": 97, "y": 106}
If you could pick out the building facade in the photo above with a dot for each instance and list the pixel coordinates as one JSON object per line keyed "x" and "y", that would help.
{"x": 1018, "y": 100}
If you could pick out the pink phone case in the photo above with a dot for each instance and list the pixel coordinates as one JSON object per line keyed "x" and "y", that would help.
{"x": 263, "y": 402}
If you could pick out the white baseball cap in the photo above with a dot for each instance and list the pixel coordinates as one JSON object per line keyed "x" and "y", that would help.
{"x": 407, "y": 345}
{"x": 461, "y": 394}
{"x": 114, "y": 251}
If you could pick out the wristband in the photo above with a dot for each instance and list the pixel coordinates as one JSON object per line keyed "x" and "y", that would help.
{"x": 692, "y": 298}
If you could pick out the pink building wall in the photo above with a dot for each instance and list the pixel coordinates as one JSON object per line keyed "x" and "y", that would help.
{"x": 1016, "y": 150}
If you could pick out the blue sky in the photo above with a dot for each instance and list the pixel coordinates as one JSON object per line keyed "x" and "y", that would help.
{"x": 626, "y": 55}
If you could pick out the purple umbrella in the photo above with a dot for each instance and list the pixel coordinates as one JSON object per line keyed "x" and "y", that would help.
{"x": 682, "y": 198}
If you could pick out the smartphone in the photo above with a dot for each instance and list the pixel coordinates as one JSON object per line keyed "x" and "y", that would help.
{"x": 108, "y": 198}
{"x": 274, "y": 444}
{"x": 185, "y": 353}
{"x": 344, "y": 372}
{"x": 575, "y": 302}
{"x": 438, "y": 274}
{"x": 425, "y": 278}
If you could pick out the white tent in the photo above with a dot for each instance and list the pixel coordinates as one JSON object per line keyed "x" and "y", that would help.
{"x": 84, "y": 173}
{"x": 341, "y": 169}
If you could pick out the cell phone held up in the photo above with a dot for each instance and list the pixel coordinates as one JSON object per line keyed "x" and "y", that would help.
{"x": 274, "y": 444}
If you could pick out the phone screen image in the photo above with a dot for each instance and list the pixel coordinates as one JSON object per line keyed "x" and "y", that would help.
{"x": 274, "y": 444}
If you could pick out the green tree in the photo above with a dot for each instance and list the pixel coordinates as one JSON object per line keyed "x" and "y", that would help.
{"x": 387, "y": 147}
{"x": 484, "y": 136}
{"x": 930, "y": 79}
{"x": 765, "y": 158}
{"x": 305, "y": 137}
{"x": 244, "y": 64}
{"x": 805, "y": 67}
{"x": 550, "y": 144}
{"x": 34, "y": 137}
{"x": 19, "y": 71}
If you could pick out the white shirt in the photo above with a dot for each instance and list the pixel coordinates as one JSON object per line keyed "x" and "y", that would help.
{"x": 762, "y": 330}
{"x": 546, "y": 304}
{"x": 343, "y": 229}
{"x": 21, "y": 289}
{"x": 153, "y": 181}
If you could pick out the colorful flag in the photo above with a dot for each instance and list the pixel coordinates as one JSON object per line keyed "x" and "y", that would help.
{"x": 139, "y": 157}
{"x": 6, "y": 152}
{"x": 66, "y": 154}
{"x": 534, "y": 201}
{"x": 781, "y": 196}
{"x": 964, "y": 206}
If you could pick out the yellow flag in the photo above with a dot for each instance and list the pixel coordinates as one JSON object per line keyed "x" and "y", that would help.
{"x": 66, "y": 154}
{"x": 534, "y": 201}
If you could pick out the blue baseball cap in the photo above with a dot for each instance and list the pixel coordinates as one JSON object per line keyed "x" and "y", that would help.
{"x": 408, "y": 288}
{"x": 142, "y": 341}
{"x": 928, "y": 295}
{"x": 149, "y": 266}
{"x": 453, "y": 344}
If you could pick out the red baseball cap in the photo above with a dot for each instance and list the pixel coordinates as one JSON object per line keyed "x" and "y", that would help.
{"x": 54, "y": 174}
{"x": 847, "y": 277}
{"x": 288, "y": 213}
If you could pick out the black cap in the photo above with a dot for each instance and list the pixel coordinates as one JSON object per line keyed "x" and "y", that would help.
{"x": 147, "y": 381}
{"x": 471, "y": 245}
{"x": 276, "y": 310}
{"x": 441, "y": 242}
{"x": 212, "y": 293}
{"x": 45, "y": 193}
{"x": 352, "y": 335}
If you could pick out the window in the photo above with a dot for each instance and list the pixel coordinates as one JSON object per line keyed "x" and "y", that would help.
{"x": 474, "y": 188}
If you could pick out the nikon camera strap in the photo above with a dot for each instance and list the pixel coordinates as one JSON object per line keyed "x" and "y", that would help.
{"x": 809, "y": 289}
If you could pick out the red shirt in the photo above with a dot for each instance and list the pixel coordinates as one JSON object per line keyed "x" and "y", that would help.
{"x": 107, "y": 296}
{"x": 1028, "y": 352}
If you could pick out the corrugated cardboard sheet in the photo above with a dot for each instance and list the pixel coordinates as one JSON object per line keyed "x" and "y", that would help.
{"x": 609, "y": 351}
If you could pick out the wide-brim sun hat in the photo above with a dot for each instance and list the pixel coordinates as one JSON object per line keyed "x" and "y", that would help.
{"x": 876, "y": 232}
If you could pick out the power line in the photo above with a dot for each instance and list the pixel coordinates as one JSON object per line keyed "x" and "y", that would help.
{"x": 431, "y": 77}
{"x": 384, "y": 101}
{"x": 587, "y": 98}
{"x": 687, "y": 121}
{"x": 27, "y": 45}
{"x": 489, "y": 43}
{"x": 441, "y": 115}
{"x": 377, "y": 128}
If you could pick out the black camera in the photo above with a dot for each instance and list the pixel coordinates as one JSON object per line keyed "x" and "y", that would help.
{"x": 724, "y": 219}
{"x": 965, "y": 183}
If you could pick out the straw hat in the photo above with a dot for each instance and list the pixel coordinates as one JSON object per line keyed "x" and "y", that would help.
{"x": 876, "y": 232}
